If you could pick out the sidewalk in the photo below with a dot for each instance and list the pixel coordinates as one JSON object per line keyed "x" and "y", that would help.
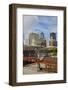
{"x": 32, "y": 69}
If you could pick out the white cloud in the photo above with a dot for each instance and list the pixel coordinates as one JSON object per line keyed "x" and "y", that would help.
{"x": 39, "y": 24}
{"x": 29, "y": 23}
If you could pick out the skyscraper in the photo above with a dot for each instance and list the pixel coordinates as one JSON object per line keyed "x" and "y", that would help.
{"x": 53, "y": 41}
{"x": 37, "y": 40}
{"x": 41, "y": 35}
{"x": 53, "y": 36}
{"x": 33, "y": 39}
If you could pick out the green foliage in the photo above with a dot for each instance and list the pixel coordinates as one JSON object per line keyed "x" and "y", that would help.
{"x": 53, "y": 50}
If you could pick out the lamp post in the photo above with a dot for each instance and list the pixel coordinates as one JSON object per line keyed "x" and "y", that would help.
{"x": 38, "y": 58}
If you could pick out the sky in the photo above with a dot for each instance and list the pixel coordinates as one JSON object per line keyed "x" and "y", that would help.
{"x": 38, "y": 24}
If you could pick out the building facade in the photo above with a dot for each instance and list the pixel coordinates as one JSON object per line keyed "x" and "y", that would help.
{"x": 37, "y": 40}
{"x": 53, "y": 41}
{"x": 33, "y": 39}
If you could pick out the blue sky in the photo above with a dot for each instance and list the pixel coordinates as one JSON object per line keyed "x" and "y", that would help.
{"x": 38, "y": 24}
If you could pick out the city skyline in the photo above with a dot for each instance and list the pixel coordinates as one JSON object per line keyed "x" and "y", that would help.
{"x": 38, "y": 24}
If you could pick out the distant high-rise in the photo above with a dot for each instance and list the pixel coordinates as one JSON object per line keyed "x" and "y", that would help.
{"x": 52, "y": 41}
{"x": 53, "y": 36}
{"x": 37, "y": 40}
{"x": 33, "y": 39}
{"x": 42, "y": 35}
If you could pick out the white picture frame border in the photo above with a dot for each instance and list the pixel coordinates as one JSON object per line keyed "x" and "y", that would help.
{"x": 19, "y": 68}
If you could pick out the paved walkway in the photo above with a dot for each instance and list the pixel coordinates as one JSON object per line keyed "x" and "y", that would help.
{"x": 32, "y": 69}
